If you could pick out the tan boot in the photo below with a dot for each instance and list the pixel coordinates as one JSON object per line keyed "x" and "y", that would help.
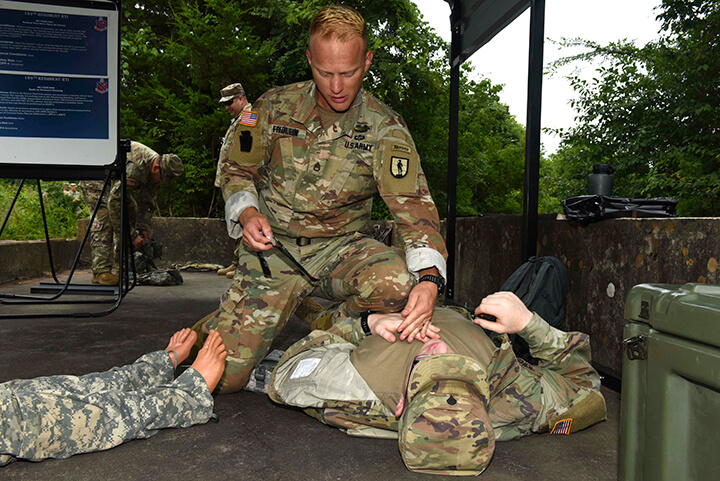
{"x": 106, "y": 279}
{"x": 230, "y": 274}
{"x": 225, "y": 270}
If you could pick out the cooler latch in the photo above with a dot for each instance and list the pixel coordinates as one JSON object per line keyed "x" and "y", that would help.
{"x": 636, "y": 347}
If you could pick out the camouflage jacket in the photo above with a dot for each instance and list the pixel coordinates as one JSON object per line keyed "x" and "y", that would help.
{"x": 228, "y": 142}
{"x": 312, "y": 182}
{"x": 523, "y": 398}
{"x": 139, "y": 183}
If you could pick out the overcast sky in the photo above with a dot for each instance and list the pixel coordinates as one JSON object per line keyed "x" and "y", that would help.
{"x": 504, "y": 59}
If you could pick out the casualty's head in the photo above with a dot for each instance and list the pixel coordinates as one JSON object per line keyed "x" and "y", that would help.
{"x": 338, "y": 56}
{"x": 233, "y": 98}
{"x": 444, "y": 427}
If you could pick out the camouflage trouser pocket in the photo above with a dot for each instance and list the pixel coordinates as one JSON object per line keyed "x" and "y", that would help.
{"x": 231, "y": 298}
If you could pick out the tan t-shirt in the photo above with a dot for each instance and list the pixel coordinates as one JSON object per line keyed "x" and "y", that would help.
{"x": 384, "y": 365}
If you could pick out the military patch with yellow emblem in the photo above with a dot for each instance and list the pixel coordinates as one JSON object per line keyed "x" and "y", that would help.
{"x": 399, "y": 168}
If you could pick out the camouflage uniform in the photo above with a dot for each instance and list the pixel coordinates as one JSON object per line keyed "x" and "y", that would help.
{"x": 523, "y": 399}
{"x": 316, "y": 186}
{"x": 139, "y": 183}
{"x": 101, "y": 230}
{"x": 59, "y": 416}
{"x": 227, "y": 144}
{"x": 107, "y": 219}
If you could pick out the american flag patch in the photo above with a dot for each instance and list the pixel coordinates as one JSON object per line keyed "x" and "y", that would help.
{"x": 129, "y": 181}
{"x": 562, "y": 427}
{"x": 249, "y": 118}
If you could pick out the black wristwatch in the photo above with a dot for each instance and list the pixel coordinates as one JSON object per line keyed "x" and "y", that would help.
{"x": 438, "y": 280}
{"x": 364, "y": 323}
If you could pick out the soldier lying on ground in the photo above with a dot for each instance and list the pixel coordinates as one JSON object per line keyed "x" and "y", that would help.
{"x": 446, "y": 401}
{"x": 59, "y": 416}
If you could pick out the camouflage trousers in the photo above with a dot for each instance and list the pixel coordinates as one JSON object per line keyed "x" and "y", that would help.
{"x": 102, "y": 230}
{"x": 59, "y": 416}
{"x": 355, "y": 271}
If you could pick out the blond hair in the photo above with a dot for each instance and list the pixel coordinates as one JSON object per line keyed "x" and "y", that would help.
{"x": 339, "y": 22}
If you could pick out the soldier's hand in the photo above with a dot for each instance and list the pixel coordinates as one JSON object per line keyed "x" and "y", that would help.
{"x": 511, "y": 314}
{"x": 386, "y": 324}
{"x": 256, "y": 230}
{"x": 418, "y": 312}
{"x": 138, "y": 242}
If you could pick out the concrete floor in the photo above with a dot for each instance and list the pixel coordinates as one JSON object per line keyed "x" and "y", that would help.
{"x": 254, "y": 439}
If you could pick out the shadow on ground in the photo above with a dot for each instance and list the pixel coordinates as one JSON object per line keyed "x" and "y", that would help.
{"x": 254, "y": 439}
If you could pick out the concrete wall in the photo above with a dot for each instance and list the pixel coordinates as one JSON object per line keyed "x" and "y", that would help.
{"x": 604, "y": 260}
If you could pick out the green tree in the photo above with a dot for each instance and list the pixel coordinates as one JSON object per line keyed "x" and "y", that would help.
{"x": 652, "y": 112}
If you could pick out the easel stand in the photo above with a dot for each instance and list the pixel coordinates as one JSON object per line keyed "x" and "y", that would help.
{"x": 53, "y": 293}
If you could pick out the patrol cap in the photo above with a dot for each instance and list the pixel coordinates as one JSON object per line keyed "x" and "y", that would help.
{"x": 231, "y": 91}
{"x": 171, "y": 166}
{"x": 446, "y": 428}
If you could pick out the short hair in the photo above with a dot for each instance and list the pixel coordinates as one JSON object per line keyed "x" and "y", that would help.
{"x": 340, "y": 22}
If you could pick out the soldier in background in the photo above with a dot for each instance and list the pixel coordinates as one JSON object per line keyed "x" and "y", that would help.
{"x": 145, "y": 171}
{"x": 446, "y": 401}
{"x": 59, "y": 416}
{"x": 235, "y": 101}
{"x": 304, "y": 171}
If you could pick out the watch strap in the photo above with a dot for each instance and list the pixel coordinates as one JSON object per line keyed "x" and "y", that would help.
{"x": 437, "y": 280}
{"x": 364, "y": 323}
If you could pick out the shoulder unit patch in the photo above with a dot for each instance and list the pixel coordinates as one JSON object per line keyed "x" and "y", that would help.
{"x": 399, "y": 166}
{"x": 249, "y": 118}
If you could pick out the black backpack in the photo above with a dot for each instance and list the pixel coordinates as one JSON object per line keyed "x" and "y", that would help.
{"x": 542, "y": 284}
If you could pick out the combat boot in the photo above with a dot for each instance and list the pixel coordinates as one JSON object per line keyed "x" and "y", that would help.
{"x": 106, "y": 279}
{"x": 225, "y": 270}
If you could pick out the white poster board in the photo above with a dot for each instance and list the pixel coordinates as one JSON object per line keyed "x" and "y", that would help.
{"x": 59, "y": 83}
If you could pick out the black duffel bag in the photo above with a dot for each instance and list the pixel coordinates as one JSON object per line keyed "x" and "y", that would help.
{"x": 594, "y": 208}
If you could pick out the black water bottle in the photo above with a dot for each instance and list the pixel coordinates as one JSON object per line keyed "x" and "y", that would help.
{"x": 600, "y": 181}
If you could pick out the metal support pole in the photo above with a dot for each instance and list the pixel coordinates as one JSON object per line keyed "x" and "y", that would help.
{"x": 450, "y": 223}
{"x": 532, "y": 133}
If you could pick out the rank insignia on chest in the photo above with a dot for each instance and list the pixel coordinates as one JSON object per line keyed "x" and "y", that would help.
{"x": 362, "y": 127}
{"x": 285, "y": 130}
{"x": 249, "y": 118}
{"x": 399, "y": 166}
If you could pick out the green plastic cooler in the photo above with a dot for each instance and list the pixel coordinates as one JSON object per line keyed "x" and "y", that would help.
{"x": 670, "y": 409}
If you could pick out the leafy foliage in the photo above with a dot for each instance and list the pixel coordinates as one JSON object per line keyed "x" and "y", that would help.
{"x": 652, "y": 112}
{"x": 62, "y": 202}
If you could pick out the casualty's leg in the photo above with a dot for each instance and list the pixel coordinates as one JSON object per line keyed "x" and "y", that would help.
{"x": 37, "y": 424}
